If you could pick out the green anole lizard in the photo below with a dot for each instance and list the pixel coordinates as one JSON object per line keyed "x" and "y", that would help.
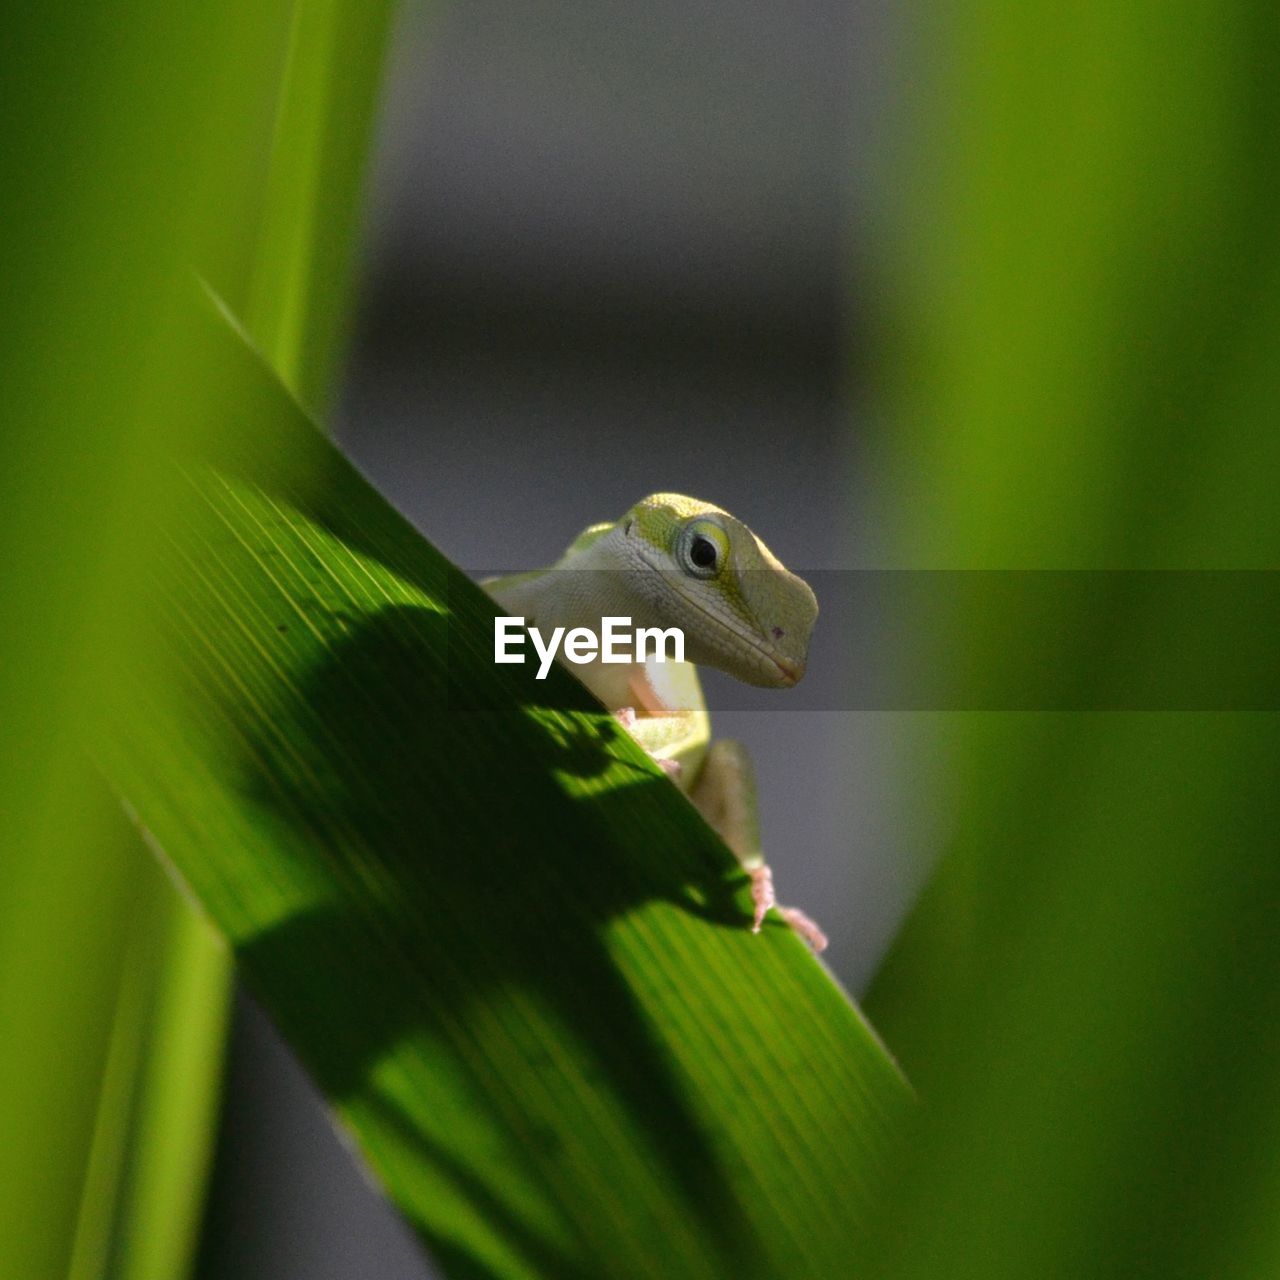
{"x": 673, "y": 561}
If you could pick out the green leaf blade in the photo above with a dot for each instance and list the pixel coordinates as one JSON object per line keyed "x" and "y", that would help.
{"x": 301, "y": 272}
{"x": 1087, "y": 346}
{"x": 506, "y": 947}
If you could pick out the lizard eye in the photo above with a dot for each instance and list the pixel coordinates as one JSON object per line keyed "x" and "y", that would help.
{"x": 702, "y": 549}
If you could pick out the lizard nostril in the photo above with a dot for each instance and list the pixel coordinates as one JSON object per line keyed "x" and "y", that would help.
{"x": 778, "y": 633}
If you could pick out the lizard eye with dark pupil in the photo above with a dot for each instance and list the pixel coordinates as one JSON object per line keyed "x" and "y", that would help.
{"x": 703, "y": 553}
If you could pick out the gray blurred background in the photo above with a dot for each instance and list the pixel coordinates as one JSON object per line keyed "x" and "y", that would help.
{"x": 612, "y": 249}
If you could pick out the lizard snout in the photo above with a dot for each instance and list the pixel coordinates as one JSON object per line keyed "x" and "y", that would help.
{"x": 792, "y": 672}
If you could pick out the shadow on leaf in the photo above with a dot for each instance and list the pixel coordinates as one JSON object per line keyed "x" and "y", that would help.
{"x": 495, "y": 950}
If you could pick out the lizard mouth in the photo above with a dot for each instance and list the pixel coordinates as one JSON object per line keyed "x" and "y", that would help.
{"x": 790, "y": 673}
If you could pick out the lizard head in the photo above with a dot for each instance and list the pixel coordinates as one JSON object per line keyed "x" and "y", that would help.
{"x": 740, "y": 609}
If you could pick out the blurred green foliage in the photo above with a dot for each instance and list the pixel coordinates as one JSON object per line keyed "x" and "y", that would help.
{"x": 1084, "y": 301}
{"x": 294, "y": 303}
{"x": 112, "y": 157}
{"x": 135, "y": 146}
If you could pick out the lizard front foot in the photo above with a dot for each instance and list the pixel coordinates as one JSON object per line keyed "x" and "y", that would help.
{"x": 761, "y": 893}
{"x": 805, "y": 927}
{"x": 626, "y": 717}
{"x": 762, "y": 896}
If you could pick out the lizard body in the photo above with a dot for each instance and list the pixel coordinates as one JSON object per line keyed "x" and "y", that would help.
{"x": 675, "y": 561}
